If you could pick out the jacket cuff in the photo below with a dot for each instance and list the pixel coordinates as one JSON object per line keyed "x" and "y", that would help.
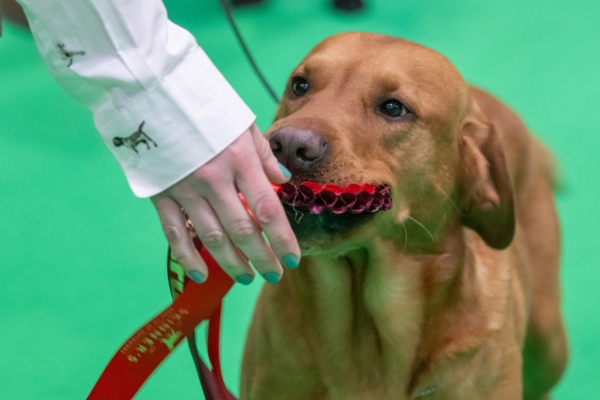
{"x": 176, "y": 127}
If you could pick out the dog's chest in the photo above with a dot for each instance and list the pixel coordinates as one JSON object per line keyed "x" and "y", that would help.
{"x": 366, "y": 330}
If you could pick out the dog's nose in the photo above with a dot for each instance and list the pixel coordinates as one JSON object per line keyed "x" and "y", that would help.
{"x": 301, "y": 151}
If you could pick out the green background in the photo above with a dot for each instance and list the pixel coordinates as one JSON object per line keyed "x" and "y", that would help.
{"x": 82, "y": 262}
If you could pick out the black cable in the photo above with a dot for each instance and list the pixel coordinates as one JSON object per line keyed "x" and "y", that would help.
{"x": 242, "y": 43}
{"x": 1, "y": 18}
{"x": 192, "y": 338}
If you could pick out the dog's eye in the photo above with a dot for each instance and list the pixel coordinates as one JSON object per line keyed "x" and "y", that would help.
{"x": 299, "y": 86}
{"x": 393, "y": 108}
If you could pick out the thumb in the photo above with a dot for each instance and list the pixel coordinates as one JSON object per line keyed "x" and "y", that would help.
{"x": 276, "y": 172}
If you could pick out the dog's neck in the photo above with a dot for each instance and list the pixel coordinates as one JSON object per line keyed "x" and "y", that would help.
{"x": 370, "y": 314}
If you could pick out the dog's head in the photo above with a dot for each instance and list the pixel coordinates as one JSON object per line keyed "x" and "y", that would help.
{"x": 365, "y": 108}
{"x": 117, "y": 141}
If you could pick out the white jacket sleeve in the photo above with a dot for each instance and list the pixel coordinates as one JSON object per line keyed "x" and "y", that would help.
{"x": 159, "y": 103}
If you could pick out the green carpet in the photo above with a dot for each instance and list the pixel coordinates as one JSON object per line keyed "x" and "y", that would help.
{"x": 82, "y": 260}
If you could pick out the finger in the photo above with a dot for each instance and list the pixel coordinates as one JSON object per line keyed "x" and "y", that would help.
{"x": 213, "y": 236}
{"x": 270, "y": 215}
{"x": 275, "y": 171}
{"x": 183, "y": 250}
{"x": 244, "y": 234}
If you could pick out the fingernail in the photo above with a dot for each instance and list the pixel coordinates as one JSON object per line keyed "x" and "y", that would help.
{"x": 272, "y": 277}
{"x": 290, "y": 261}
{"x": 244, "y": 279}
{"x": 286, "y": 172}
{"x": 196, "y": 276}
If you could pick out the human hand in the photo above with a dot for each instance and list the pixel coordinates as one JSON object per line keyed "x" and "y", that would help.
{"x": 209, "y": 196}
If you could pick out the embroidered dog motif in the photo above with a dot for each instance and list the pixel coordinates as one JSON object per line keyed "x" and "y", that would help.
{"x": 68, "y": 55}
{"x": 134, "y": 140}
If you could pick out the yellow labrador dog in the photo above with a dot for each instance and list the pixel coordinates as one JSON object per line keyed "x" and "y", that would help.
{"x": 453, "y": 293}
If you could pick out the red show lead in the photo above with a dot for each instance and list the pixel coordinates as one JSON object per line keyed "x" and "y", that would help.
{"x": 135, "y": 361}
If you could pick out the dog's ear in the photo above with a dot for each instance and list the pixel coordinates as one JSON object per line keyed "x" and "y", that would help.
{"x": 487, "y": 200}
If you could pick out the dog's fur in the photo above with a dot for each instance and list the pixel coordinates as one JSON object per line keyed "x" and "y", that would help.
{"x": 454, "y": 293}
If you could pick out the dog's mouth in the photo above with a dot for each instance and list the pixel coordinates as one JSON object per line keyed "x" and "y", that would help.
{"x": 314, "y": 208}
{"x": 352, "y": 199}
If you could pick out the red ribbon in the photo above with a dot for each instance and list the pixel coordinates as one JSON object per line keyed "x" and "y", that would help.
{"x": 354, "y": 199}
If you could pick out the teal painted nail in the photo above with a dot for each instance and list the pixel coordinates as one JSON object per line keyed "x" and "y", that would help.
{"x": 290, "y": 261}
{"x": 272, "y": 277}
{"x": 244, "y": 279}
{"x": 286, "y": 172}
{"x": 196, "y": 276}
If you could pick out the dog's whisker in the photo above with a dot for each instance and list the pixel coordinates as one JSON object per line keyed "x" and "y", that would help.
{"x": 446, "y": 194}
{"x": 423, "y": 226}
{"x": 298, "y": 216}
{"x": 378, "y": 182}
{"x": 296, "y": 212}
{"x": 405, "y": 238}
